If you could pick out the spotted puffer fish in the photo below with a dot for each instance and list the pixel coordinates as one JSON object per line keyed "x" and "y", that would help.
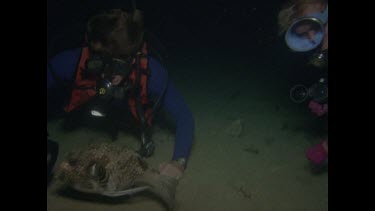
{"x": 112, "y": 169}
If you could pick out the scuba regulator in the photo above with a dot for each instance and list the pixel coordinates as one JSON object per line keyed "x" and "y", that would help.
{"x": 104, "y": 69}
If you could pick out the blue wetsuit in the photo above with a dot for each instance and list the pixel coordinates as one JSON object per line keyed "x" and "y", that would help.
{"x": 65, "y": 64}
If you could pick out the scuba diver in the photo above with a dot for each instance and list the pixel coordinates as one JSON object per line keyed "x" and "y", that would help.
{"x": 304, "y": 24}
{"x": 115, "y": 70}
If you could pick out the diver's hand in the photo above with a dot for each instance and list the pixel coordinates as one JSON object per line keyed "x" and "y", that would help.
{"x": 318, "y": 109}
{"x": 171, "y": 169}
{"x": 116, "y": 79}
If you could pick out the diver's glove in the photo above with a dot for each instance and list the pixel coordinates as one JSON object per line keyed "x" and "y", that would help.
{"x": 147, "y": 147}
{"x": 174, "y": 169}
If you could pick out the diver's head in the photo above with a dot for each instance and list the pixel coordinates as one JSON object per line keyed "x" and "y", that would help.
{"x": 295, "y": 9}
{"x": 115, "y": 33}
{"x": 114, "y": 38}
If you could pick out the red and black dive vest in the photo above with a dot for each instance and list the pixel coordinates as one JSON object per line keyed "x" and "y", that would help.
{"x": 84, "y": 89}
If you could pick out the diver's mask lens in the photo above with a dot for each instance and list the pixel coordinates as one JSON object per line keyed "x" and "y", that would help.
{"x": 95, "y": 65}
{"x": 120, "y": 67}
{"x": 98, "y": 65}
{"x": 305, "y": 34}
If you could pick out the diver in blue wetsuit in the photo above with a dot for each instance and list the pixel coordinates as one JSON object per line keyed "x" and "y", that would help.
{"x": 116, "y": 69}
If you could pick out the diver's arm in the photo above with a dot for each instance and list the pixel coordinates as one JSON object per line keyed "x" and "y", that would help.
{"x": 60, "y": 69}
{"x": 175, "y": 105}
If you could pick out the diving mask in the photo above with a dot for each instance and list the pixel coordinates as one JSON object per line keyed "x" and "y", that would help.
{"x": 307, "y": 33}
{"x": 107, "y": 67}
